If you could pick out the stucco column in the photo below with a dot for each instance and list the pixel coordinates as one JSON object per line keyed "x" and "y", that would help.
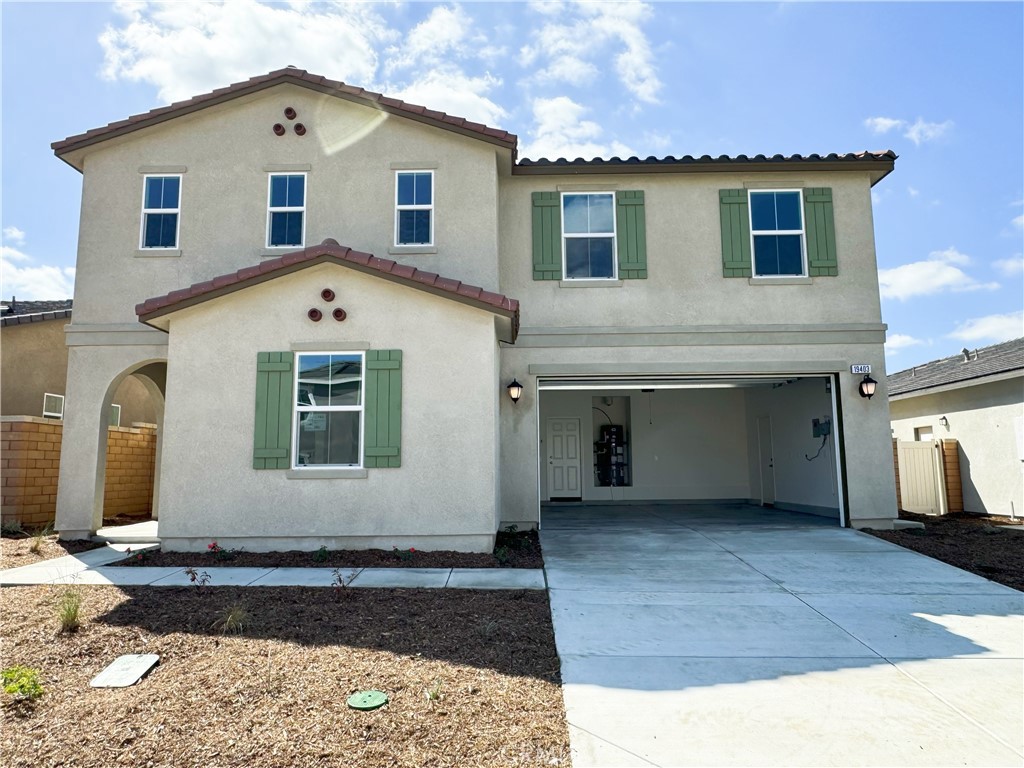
{"x": 870, "y": 476}
{"x": 97, "y": 364}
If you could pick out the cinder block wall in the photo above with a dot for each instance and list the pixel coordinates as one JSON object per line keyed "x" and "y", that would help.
{"x": 30, "y": 465}
{"x": 896, "y": 468}
{"x": 131, "y": 455}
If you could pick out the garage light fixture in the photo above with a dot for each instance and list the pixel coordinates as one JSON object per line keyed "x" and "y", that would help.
{"x": 515, "y": 390}
{"x": 867, "y": 387}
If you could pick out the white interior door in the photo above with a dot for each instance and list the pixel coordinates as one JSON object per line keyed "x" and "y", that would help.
{"x": 767, "y": 459}
{"x": 564, "y": 461}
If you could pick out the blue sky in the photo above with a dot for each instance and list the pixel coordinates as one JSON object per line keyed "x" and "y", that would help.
{"x": 942, "y": 84}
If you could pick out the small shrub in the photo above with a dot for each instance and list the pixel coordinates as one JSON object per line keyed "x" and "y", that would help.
{"x": 219, "y": 553}
{"x": 487, "y": 627}
{"x": 138, "y": 558}
{"x": 403, "y": 554}
{"x": 22, "y": 683}
{"x": 234, "y": 620}
{"x": 198, "y": 579}
{"x": 11, "y": 528}
{"x": 38, "y": 539}
{"x": 339, "y": 582}
{"x": 434, "y": 692}
{"x": 68, "y": 609}
{"x": 502, "y": 555}
{"x": 321, "y": 555}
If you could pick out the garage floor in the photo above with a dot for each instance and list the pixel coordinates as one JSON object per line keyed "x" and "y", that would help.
{"x": 733, "y": 635}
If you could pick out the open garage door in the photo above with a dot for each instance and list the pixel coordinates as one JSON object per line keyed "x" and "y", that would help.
{"x": 771, "y": 441}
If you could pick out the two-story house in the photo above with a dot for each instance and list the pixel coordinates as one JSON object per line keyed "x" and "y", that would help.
{"x": 339, "y": 295}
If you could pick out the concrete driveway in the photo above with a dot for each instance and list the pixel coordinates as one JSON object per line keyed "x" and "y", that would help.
{"x": 732, "y": 635}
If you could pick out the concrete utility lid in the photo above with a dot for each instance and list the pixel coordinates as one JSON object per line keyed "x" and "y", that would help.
{"x": 125, "y": 670}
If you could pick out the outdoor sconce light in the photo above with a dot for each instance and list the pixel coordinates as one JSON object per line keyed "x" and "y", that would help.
{"x": 515, "y": 390}
{"x": 944, "y": 421}
{"x": 867, "y": 387}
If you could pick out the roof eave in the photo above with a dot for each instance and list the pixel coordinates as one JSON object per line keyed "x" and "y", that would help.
{"x": 934, "y": 389}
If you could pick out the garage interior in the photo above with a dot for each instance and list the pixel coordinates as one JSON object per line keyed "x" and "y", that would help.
{"x": 765, "y": 440}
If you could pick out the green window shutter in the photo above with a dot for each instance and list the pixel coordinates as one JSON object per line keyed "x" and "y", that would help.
{"x": 632, "y": 235}
{"x": 383, "y": 417}
{"x": 547, "y": 236}
{"x": 820, "y": 230}
{"x": 274, "y": 403}
{"x": 735, "y": 214}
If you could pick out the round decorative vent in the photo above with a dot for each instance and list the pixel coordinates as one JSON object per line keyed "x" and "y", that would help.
{"x": 290, "y": 113}
{"x": 300, "y": 129}
{"x": 279, "y": 129}
{"x": 339, "y": 314}
{"x": 327, "y": 294}
{"x": 315, "y": 315}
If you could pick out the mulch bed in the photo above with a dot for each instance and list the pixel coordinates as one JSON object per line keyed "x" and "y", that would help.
{"x": 16, "y": 549}
{"x": 972, "y": 542}
{"x": 513, "y": 550}
{"x": 472, "y": 678}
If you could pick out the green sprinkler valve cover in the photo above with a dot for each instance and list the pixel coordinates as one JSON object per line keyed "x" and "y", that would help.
{"x": 367, "y": 700}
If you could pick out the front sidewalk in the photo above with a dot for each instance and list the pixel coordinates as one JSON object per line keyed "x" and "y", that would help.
{"x": 88, "y": 568}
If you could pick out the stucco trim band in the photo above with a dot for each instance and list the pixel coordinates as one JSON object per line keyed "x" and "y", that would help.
{"x": 116, "y": 334}
{"x": 819, "y": 367}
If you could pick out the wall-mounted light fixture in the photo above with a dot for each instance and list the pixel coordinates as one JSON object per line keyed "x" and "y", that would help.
{"x": 944, "y": 421}
{"x": 515, "y": 390}
{"x": 867, "y": 387}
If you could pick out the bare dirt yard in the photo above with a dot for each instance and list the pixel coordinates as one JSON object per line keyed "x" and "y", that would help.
{"x": 472, "y": 678}
{"x": 18, "y": 549}
{"x": 973, "y": 542}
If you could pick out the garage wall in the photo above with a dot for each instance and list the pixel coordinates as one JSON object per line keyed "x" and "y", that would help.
{"x": 684, "y": 443}
{"x": 802, "y": 485}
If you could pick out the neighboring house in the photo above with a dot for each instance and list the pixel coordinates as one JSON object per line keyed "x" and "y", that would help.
{"x": 340, "y": 287}
{"x": 976, "y": 398}
{"x": 34, "y": 364}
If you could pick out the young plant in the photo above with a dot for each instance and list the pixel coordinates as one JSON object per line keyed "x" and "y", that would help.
{"x": 39, "y": 538}
{"x": 198, "y": 579}
{"x": 433, "y": 693}
{"x": 68, "y": 608}
{"x": 340, "y": 582}
{"x": 10, "y": 528}
{"x": 234, "y": 620}
{"x": 403, "y": 554}
{"x": 219, "y": 553}
{"x": 138, "y": 558}
{"x": 22, "y": 683}
{"x": 502, "y": 555}
{"x": 321, "y": 555}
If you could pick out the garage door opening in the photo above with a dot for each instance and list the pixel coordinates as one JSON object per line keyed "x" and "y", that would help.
{"x": 772, "y": 441}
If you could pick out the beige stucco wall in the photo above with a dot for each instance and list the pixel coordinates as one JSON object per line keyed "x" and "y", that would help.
{"x": 684, "y": 258}
{"x": 34, "y": 361}
{"x": 443, "y": 495}
{"x": 351, "y": 153}
{"x": 985, "y": 420}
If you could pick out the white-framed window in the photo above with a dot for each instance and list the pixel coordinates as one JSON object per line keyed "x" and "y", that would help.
{"x": 53, "y": 406}
{"x": 414, "y": 208}
{"x": 286, "y": 210}
{"x": 114, "y": 416}
{"x": 161, "y": 209}
{"x": 588, "y": 236}
{"x": 777, "y": 232}
{"x": 328, "y": 423}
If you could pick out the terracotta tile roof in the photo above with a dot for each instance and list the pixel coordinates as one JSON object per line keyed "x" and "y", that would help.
{"x": 881, "y": 162}
{"x": 965, "y": 366}
{"x": 295, "y": 77}
{"x": 17, "y": 312}
{"x": 330, "y": 251}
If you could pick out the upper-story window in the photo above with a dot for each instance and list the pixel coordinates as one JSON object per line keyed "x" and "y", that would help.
{"x": 588, "y": 235}
{"x": 286, "y": 210}
{"x": 328, "y": 409}
{"x": 414, "y": 208}
{"x": 161, "y": 204}
{"x": 777, "y": 231}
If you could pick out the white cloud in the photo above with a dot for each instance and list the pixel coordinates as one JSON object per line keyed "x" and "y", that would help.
{"x": 1018, "y": 221}
{"x": 918, "y": 132}
{"x": 921, "y": 131}
{"x": 991, "y": 328}
{"x": 447, "y": 33}
{"x": 14, "y": 234}
{"x": 913, "y": 192}
{"x": 1010, "y": 267}
{"x": 187, "y": 48}
{"x": 562, "y": 132}
{"x": 577, "y": 41}
{"x": 938, "y": 273}
{"x": 880, "y": 125}
{"x": 450, "y": 90}
{"x": 31, "y": 282}
{"x": 898, "y": 341}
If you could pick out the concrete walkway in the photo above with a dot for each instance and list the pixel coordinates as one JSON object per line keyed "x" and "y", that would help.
{"x": 732, "y": 635}
{"x": 88, "y": 568}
